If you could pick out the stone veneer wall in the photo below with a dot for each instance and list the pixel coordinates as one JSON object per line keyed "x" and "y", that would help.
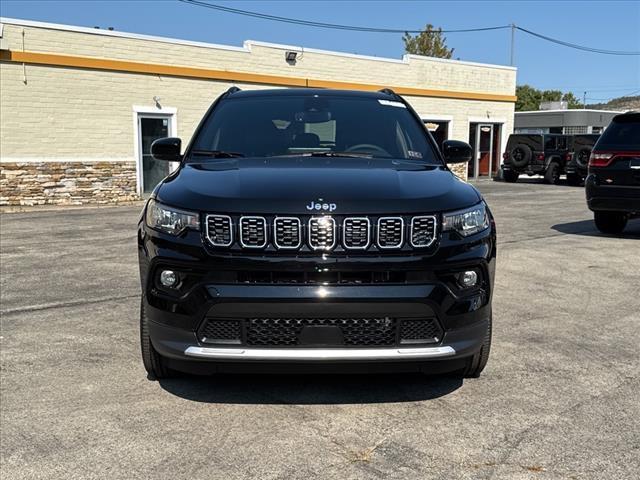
{"x": 460, "y": 169}
{"x": 67, "y": 183}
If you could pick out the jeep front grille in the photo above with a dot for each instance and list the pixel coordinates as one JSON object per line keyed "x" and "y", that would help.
{"x": 322, "y": 233}
{"x": 423, "y": 231}
{"x": 308, "y": 233}
{"x": 355, "y": 233}
{"x": 219, "y": 230}
{"x": 390, "y": 232}
{"x": 287, "y": 232}
{"x": 253, "y": 232}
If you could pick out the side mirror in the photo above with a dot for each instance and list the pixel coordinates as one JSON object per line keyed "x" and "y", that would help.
{"x": 167, "y": 149}
{"x": 455, "y": 151}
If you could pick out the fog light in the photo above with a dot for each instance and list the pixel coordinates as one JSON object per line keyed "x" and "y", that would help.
{"x": 168, "y": 278}
{"x": 468, "y": 279}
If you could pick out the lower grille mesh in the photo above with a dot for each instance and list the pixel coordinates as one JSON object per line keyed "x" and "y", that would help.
{"x": 220, "y": 331}
{"x": 356, "y": 331}
{"x": 421, "y": 330}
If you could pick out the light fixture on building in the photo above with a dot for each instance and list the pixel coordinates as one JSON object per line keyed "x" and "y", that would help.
{"x": 290, "y": 57}
{"x": 157, "y": 99}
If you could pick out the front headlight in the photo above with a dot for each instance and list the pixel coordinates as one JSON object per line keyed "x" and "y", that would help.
{"x": 170, "y": 220}
{"x": 468, "y": 221}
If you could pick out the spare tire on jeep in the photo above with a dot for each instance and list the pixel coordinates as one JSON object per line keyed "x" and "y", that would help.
{"x": 520, "y": 155}
{"x": 582, "y": 156}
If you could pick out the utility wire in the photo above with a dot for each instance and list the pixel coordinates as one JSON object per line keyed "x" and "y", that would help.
{"x": 356, "y": 28}
{"x": 577, "y": 47}
{"x": 334, "y": 26}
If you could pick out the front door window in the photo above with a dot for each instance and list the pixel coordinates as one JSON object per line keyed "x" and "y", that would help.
{"x": 150, "y": 129}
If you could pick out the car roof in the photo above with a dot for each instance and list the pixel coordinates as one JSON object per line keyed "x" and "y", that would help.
{"x": 321, "y": 92}
{"x": 626, "y": 117}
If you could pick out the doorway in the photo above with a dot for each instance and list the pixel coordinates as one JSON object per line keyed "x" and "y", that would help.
{"x": 150, "y": 127}
{"x": 485, "y": 141}
{"x": 439, "y": 130}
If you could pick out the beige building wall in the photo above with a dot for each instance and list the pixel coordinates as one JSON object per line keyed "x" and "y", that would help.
{"x": 83, "y": 120}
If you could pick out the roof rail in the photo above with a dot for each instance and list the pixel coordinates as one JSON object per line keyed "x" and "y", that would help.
{"x": 232, "y": 90}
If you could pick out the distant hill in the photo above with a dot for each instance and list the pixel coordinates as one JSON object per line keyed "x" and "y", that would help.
{"x": 621, "y": 103}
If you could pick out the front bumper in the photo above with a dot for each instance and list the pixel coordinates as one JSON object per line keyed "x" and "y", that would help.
{"x": 175, "y": 321}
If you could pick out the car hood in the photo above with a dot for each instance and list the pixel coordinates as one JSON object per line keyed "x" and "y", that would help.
{"x": 290, "y": 185}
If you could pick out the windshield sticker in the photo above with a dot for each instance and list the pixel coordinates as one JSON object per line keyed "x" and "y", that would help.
{"x": 414, "y": 154}
{"x": 391, "y": 103}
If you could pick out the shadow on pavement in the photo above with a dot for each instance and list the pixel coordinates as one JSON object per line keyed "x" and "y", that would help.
{"x": 311, "y": 389}
{"x": 587, "y": 228}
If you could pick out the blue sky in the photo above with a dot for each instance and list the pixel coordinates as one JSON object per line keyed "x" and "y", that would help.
{"x": 606, "y": 25}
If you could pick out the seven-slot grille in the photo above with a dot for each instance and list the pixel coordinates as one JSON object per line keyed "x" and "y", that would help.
{"x": 355, "y": 232}
{"x": 253, "y": 232}
{"x": 423, "y": 231}
{"x": 390, "y": 232}
{"x": 321, "y": 232}
{"x": 219, "y": 230}
{"x": 287, "y": 232}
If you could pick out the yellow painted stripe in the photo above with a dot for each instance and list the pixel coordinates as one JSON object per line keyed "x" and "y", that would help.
{"x": 232, "y": 76}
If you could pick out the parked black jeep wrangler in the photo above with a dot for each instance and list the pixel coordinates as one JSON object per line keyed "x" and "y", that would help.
{"x": 535, "y": 154}
{"x": 577, "y": 158}
{"x": 313, "y": 229}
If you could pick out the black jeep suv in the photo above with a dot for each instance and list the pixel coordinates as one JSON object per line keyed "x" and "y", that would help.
{"x": 613, "y": 184}
{"x": 577, "y": 157}
{"x": 313, "y": 229}
{"x": 535, "y": 154}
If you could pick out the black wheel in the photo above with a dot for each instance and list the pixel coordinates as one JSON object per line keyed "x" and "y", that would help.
{"x": 574, "y": 180}
{"x": 610, "y": 222}
{"x": 154, "y": 363}
{"x": 552, "y": 174}
{"x": 582, "y": 157}
{"x": 476, "y": 364}
{"x": 520, "y": 156}
{"x": 510, "y": 176}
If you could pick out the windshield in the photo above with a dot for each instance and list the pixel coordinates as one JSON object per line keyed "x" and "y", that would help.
{"x": 314, "y": 125}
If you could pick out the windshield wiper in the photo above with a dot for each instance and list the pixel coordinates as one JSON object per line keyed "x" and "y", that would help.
{"x": 216, "y": 153}
{"x": 329, "y": 154}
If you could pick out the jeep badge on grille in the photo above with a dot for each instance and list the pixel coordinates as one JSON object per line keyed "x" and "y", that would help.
{"x": 327, "y": 207}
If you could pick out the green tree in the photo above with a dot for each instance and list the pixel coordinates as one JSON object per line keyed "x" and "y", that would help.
{"x": 429, "y": 42}
{"x": 572, "y": 100}
{"x": 530, "y": 98}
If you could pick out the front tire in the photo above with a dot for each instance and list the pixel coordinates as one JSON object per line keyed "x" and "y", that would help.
{"x": 610, "y": 222}
{"x": 510, "y": 176}
{"x": 154, "y": 363}
{"x": 475, "y": 364}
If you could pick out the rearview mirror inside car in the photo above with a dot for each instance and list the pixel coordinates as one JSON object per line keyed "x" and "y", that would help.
{"x": 455, "y": 151}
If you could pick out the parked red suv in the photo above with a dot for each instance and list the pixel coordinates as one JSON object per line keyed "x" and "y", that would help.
{"x": 613, "y": 184}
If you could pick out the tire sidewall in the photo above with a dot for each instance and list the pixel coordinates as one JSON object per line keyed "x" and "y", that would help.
{"x": 524, "y": 154}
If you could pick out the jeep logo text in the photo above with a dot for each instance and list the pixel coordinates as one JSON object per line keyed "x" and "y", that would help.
{"x": 327, "y": 207}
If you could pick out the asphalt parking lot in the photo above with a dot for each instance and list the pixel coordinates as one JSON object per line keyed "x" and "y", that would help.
{"x": 559, "y": 398}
